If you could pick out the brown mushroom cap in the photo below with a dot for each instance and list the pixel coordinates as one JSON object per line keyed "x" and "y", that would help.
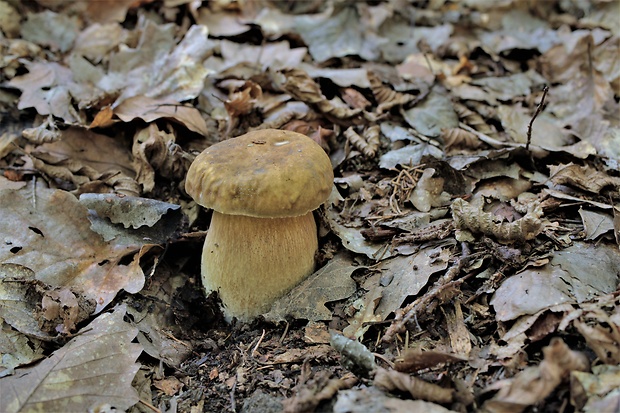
{"x": 265, "y": 173}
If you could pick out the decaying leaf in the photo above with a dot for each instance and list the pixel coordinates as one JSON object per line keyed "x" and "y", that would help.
{"x": 93, "y": 369}
{"x": 36, "y": 309}
{"x": 432, "y": 114}
{"x": 156, "y": 152}
{"x": 469, "y": 218}
{"x": 150, "y": 109}
{"x": 386, "y": 96}
{"x": 598, "y": 391}
{"x": 407, "y": 275}
{"x": 534, "y": 384}
{"x": 429, "y": 192}
{"x": 392, "y": 380}
{"x": 298, "y": 84}
{"x": 575, "y": 274}
{"x": 368, "y": 144}
{"x": 412, "y": 360}
{"x": 90, "y": 161}
{"x": 50, "y": 234}
{"x": 16, "y": 349}
{"x": 307, "y": 300}
{"x": 583, "y": 177}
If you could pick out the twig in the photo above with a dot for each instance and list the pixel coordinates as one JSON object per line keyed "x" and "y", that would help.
{"x": 445, "y": 282}
{"x": 260, "y": 340}
{"x": 539, "y": 109}
{"x": 284, "y": 333}
{"x": 150, "y": 406}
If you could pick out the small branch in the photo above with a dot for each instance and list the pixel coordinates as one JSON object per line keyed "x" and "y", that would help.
{"x": 539, "y": 109}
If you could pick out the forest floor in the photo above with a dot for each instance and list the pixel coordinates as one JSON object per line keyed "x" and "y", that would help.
{"x": 468, "y": 254}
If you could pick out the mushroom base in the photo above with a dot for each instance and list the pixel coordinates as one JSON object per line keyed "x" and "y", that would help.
{"x": 251, "y": 262}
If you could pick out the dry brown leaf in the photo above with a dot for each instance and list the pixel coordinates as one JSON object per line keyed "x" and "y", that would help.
{"x": 150, "y": 109}
{"x": 93, "y": 369}
{"x": 459, "y": 334}
{"x": 367, "y": 144}
{"x": 156, "y": 152}
{"x": 50, "y": 234}
{"x": 391, "y": 380}
{"x": 457, "y": 138}
{"x": 583, "y": 177}
{"x": 386, "y": 96}
{"x": 308, "y": 396}
{"x": 534, "y": 384}
{"x": 302, "y": 87}
{"x": 170, "y": 385}
{"x": 412, "y": 360}
{"x": 46, "y": 88}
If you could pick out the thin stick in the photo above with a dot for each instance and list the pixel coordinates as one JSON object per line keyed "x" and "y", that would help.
{"x": 150, "y": 406}
{"x": 260, "y": 340}
{"x": 539, "y": 109}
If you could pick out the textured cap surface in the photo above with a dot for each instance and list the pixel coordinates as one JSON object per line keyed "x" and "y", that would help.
{"x": 265, "y": 173}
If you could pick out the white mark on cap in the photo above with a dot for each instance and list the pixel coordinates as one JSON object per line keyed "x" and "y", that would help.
{"x": 281, "y": 143}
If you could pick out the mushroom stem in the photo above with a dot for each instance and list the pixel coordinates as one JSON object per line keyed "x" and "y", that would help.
{"x": 251, "y": 262}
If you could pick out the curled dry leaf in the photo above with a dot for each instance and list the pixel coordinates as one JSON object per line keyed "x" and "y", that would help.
{"x": 412, "y": 360}
{"x": 368, "y": 144}
{"x": 386, "y": 96}
{"x": 583, "y": 177}
{"x": 300, "y": 85}
{"x": 456, "y": 138}
{"x": 474, "y": 120}
{"x": 308, "y": 398}
{"x": 90, "y": 161}
{"x": 391, "y": 380}
{"x": 534, "y": 384}
{"x": 155, "y": 151}
{"x": 473, "y": 219}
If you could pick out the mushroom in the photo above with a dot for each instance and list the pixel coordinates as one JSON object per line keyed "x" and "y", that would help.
{"x": 262, "y": 240}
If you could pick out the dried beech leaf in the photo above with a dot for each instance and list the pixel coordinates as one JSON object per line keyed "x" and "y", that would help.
{"x": 391, "y": 380}
{"x": 155, "y": 151}
{"x": 150, "y": 109}
{"x": 49, "y": 232}
{"x": 412, "y": 360}
{"x": 472, "y": 218}
{"x": 368, "y": 144}
{"x": 455, "y": 138}
{"x": 582, "y": 177}
{"x": 534, "y": 384}
{"x": 93, "y": 369}
{"x": 46, "y": 88}
{"x": 302, "y": 87}
{"x": 386, "y": 96}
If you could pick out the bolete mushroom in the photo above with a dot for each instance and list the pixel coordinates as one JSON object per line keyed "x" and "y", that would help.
{"x": 262, "y": 240}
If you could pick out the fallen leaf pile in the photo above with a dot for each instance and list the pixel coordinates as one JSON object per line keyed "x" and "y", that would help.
{"x": 469, "y": 251}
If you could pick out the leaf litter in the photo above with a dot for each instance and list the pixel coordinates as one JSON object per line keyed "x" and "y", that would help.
{"x": 469, "y": 249}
